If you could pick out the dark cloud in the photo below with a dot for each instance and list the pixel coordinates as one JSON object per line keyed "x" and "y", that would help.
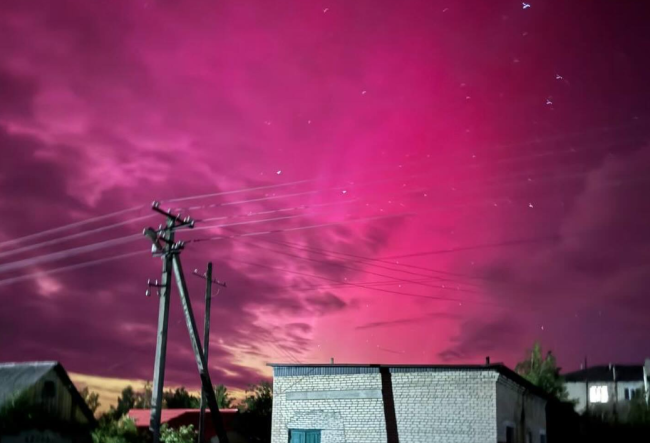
{"x": 325, "y": 303}
{"x": 477, "y": 339}
{"x": 304, "y": 328}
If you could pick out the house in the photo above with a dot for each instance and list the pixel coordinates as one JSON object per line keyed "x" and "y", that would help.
{"x": 175, "y": 418}
{"x": 608, "y": 386}
{"x": 39, "y": 402}
{"x": 338, "y": 403}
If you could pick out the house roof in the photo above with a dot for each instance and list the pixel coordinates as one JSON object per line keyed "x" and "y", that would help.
{"x": 604, "y": 373}
{"x": 315, "y": 369}
{"x": 141, "y": 417}
{"x": 15, "y": 378}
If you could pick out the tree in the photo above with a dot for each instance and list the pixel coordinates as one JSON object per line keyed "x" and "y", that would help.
{"x": 254, "y": 420}
{"x": 179, "y": 398}
{"x": 224, "y": 401}
{"x": 639, "y": 413}
{"x": 91, "y": 398}
{"x": 184, "y": 434}
{"x": 125, "y": 402}
{"x": 542, "y": 371}
{"x": 259, "y": 399}
{"x": 143, "y": 398}
{"x": 115, "y": 431}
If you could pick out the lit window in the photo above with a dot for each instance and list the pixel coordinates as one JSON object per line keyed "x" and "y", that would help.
{"x": 598, "y": 394}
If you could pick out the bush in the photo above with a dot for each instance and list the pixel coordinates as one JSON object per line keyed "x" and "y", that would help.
{"x": 185, "y": 434}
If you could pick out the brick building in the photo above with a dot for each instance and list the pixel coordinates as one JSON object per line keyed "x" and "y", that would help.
{"x": 405, "y": 403}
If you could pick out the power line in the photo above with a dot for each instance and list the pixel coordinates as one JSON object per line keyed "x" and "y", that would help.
{"x": 30, "y": 276}
{"x": 237, "y": 191}
{"x": 329, "y": 253}
{"x": 304, "y": 274}
{"x": 342, "y": 266}
{"x": 71, "y": 237}
{"x": 68, "y": 226}
{"x": 123, "y": 240}
{"x": 519, "y": 242}
{"x": 94, "y": 219}
{"x": 67, "y": 253}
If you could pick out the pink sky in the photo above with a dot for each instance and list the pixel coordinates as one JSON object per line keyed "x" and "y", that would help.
{"x": 496, "y": 155}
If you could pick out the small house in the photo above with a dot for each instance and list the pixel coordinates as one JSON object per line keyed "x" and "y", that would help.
{"x": 39, "y": 402}
{"x": 608, "y": 387}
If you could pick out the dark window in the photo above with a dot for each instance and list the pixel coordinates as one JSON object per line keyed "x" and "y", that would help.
{"x": 304, "y": 436}
{"x": 49, "y": 389}
{"x": 627, "y": 394}
{"x": 542, "y": 438}
{"x": 510, "y": 434}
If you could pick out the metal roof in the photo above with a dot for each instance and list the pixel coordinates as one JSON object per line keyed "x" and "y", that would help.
{"x": 292, "y": 369}
{"x": 605, "y": 373}
{"x": 16, "y": 377}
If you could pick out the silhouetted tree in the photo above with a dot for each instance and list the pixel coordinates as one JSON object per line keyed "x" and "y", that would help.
{"x": 125, "y": 402}
{"x": 179, "y": 398}
{"x": 223, "y": 397}
{"x": 91, "y": 398}
{"x": 542, "y": 371}
{"x": 143, "y": 398}
{"x": 259, "y": 399}
{"x": 254, "y": 420}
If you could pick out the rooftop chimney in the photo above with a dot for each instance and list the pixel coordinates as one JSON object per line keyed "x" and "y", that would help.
{"x": 487, "y": 361}
{"x": 332, "y": 360}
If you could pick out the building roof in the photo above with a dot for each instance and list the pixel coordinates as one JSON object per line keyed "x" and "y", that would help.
{"x": 179, "y": 417}
{"x": 15, "y": 378}
{"x": 604, "y": 373}
{"x": 338, "y": 368}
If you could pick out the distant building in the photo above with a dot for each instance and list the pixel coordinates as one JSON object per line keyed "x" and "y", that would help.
{"x": 39, "y": 403}
{"x": 608, "y": 386}
{"x": 405, "y": 403}
{"x": 175, "y": 418}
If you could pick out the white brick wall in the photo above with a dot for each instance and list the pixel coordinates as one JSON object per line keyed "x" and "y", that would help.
{"x": 432, "y": 406}
{"x": 446, "y": 406}
{"x": 512, "y": 399}
{"x": 341, "y": 420}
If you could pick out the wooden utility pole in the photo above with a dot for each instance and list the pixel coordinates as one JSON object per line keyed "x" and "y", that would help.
{"x": 165, "y": 236}
{"x": 206, "y": 337}
{"x": 586, "y": 387}
{"x": 206, "y": 382}
{"x": 164, "y": 246}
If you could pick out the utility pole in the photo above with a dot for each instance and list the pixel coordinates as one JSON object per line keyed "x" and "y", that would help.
{"x": 215, "y": 415}
{"x": 206, "y": 337}
{"x": 170, "y": 252}
{"x": 162, "y": 244}
{"x": 615, "y": 393}
{"x": 586, "y": 387}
